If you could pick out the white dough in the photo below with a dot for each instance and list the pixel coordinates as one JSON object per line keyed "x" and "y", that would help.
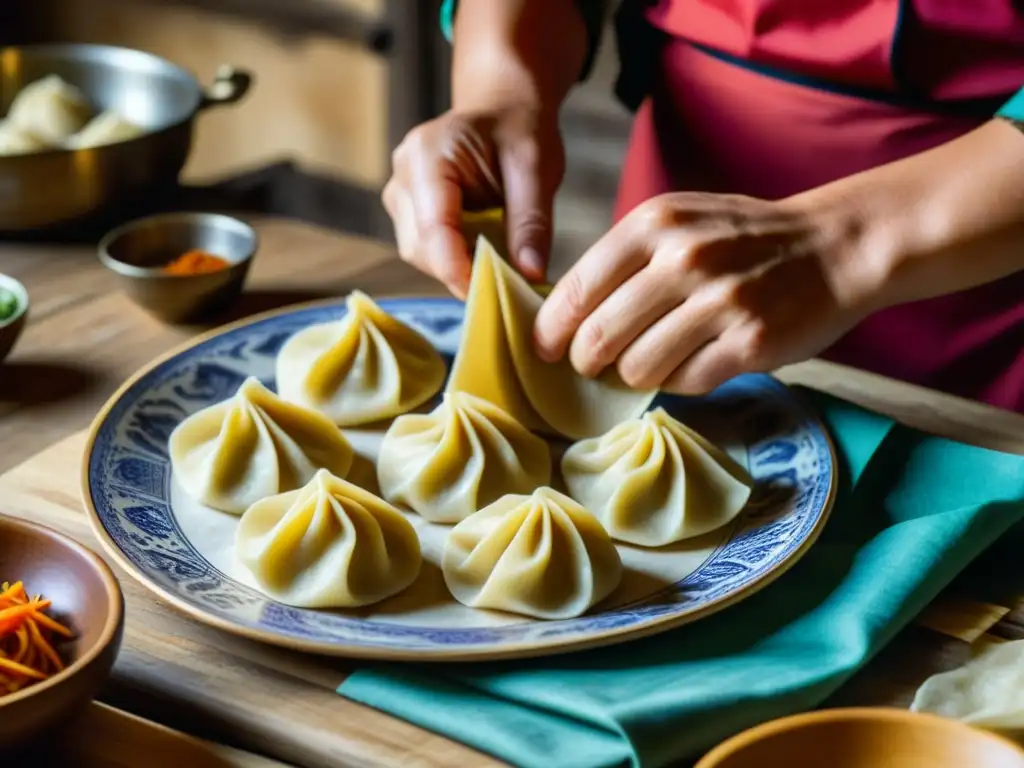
{"x": 106, "y": 128}
{"x": 988, "y": 691}
{"x": 51, "y": 109}
{"x": 17, "y": 141}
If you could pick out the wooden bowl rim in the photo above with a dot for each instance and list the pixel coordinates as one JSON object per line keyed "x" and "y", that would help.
{"x": 115, "y": 607}
{"x": 733, "y": 745}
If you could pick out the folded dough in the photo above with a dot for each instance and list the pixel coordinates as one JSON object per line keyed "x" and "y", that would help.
{"x": 496, "y": 361}
{"x": 254, "y": 445}
{"x": 465, "y": 454}
{"x": 328, "y": 545}
{"x": 50, "y": 108}
{"x": 987, "y": 692}
{"x": 541, "y": 555}
{"x": 366, "y": 367}
{"x": 654, "y": 481}
{"x": 106, "y": 128}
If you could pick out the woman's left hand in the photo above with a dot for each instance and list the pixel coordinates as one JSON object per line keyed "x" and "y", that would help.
{"x": 689, "y": 290}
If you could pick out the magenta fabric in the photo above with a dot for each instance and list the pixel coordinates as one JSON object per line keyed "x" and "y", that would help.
{"x": 935, "y": 49}
{"x": 711, "y": 125}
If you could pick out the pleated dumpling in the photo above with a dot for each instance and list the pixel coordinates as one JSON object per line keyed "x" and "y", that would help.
{"x": 50, "y": 108}
{"x": 366, "y": 367}
{"x": 328, "y": 545}
{"x": 254, "y": 445}
{"x": 449, "y": 463}
{"x": 654, "y": 481}
{"x": 497, "y": 362}
{"x": 541, "y": 555}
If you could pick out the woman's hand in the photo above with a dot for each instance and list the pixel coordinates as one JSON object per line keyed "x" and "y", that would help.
{"x": 511, "y": 158}
{"x": 689, "y": 290}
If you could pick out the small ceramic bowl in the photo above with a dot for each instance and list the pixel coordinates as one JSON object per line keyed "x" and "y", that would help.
{"x": 864, "y": 738}
{"x": 10, "y": 329}
{"x": 139, "y": 250}
{"x": 87, "y": 599}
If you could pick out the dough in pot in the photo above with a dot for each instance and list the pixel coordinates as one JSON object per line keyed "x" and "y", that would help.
{"x": 654, "y": 481}
{"x": 447, "y": 464}
{"x": 363, "y": 368}
{"x": 541, "y": 555}
{"x": 17, "y": 141}
{"x": 106, "y": 128}
{"x": 254, "y": 445}
{"x": 496, "y": 361}
{"x": 330, "y": 544}
{"x": 50, "y": 108}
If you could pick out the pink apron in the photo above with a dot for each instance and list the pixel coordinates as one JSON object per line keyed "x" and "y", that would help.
{"x": 772, "y": 97}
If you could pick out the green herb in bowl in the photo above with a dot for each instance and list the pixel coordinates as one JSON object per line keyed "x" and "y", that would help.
{"x": 9, "y": 305}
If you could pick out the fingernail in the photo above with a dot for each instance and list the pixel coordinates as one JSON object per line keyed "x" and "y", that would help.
{"x": 530, "y": 261}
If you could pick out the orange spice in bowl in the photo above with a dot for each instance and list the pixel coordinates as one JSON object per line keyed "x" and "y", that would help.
{"x": 196, "y": 262}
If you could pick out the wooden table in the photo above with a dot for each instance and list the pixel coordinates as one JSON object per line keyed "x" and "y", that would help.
{"x": 84, "y": 339}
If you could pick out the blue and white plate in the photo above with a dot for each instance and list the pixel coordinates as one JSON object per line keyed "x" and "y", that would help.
{"x": 184, "y": 551}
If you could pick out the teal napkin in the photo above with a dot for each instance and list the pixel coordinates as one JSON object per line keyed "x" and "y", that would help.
{"x": 912, "y": 511}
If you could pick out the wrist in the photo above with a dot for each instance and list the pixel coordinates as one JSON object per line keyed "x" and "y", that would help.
{"x": 516, "y": 52}
{"x": 856, "y": 251}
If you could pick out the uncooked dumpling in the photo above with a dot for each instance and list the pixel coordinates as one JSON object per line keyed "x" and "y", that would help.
{"x": 366, "y": 367}
{"x": 50, "y": 108}
{"x": 497, "y": 362}
{"x": 17, "y": 141}
{"x": 254, "y": 445}
{"x": 465, "y": 454}
{"x": 328, "y": 545}
{"x": 654, "y": 481}
{"x": 106, "y": 128}
{"x": 987, "y": 692}
{"x": 541, "y": 555}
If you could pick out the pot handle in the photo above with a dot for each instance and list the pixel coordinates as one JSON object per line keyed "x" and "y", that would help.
{"x": 229, "y": 86}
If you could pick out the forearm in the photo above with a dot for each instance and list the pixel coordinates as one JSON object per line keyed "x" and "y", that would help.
{"x": 516, "y": 52}
{"x": 936, "y": 223}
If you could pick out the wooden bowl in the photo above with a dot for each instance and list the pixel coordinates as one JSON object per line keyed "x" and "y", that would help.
{"x": 865, "y": 738}
{"x": 86, "y": 597}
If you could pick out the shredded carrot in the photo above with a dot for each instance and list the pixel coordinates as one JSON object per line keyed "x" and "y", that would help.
{"x": 27, "y": 636}
{"x": 195, "y": 262}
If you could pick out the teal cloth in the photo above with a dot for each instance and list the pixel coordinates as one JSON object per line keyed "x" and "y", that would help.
{"x": 1014, "y": 108}
{"x": 912, "y": 512}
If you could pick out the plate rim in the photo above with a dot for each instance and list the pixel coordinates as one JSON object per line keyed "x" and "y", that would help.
{"x": 520, "y": 650}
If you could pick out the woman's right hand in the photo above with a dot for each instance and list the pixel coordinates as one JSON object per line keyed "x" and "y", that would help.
{"x": 510, "y": 158}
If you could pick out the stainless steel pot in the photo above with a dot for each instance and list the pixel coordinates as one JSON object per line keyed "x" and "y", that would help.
{"x": 59, "y": 186}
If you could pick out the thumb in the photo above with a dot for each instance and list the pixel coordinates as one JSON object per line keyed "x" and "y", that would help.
{"x": 529, "y": 207}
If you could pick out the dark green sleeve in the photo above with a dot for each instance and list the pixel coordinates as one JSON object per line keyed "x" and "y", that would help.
{"x": 593, "y": 16}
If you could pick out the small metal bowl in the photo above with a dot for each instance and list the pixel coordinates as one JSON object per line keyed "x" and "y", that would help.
{"x": 139, "y": 250}
{"x": 10, "y": 329}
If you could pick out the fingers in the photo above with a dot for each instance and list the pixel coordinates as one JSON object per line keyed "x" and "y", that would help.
{"x": 528, "y": 211}
{"x": 649, "y": 361}
{"x": 623, "y": 317}
{"x": 426, "y": 208}
{"x": 610, "y": 262}
{"x": 712, "y": 365}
